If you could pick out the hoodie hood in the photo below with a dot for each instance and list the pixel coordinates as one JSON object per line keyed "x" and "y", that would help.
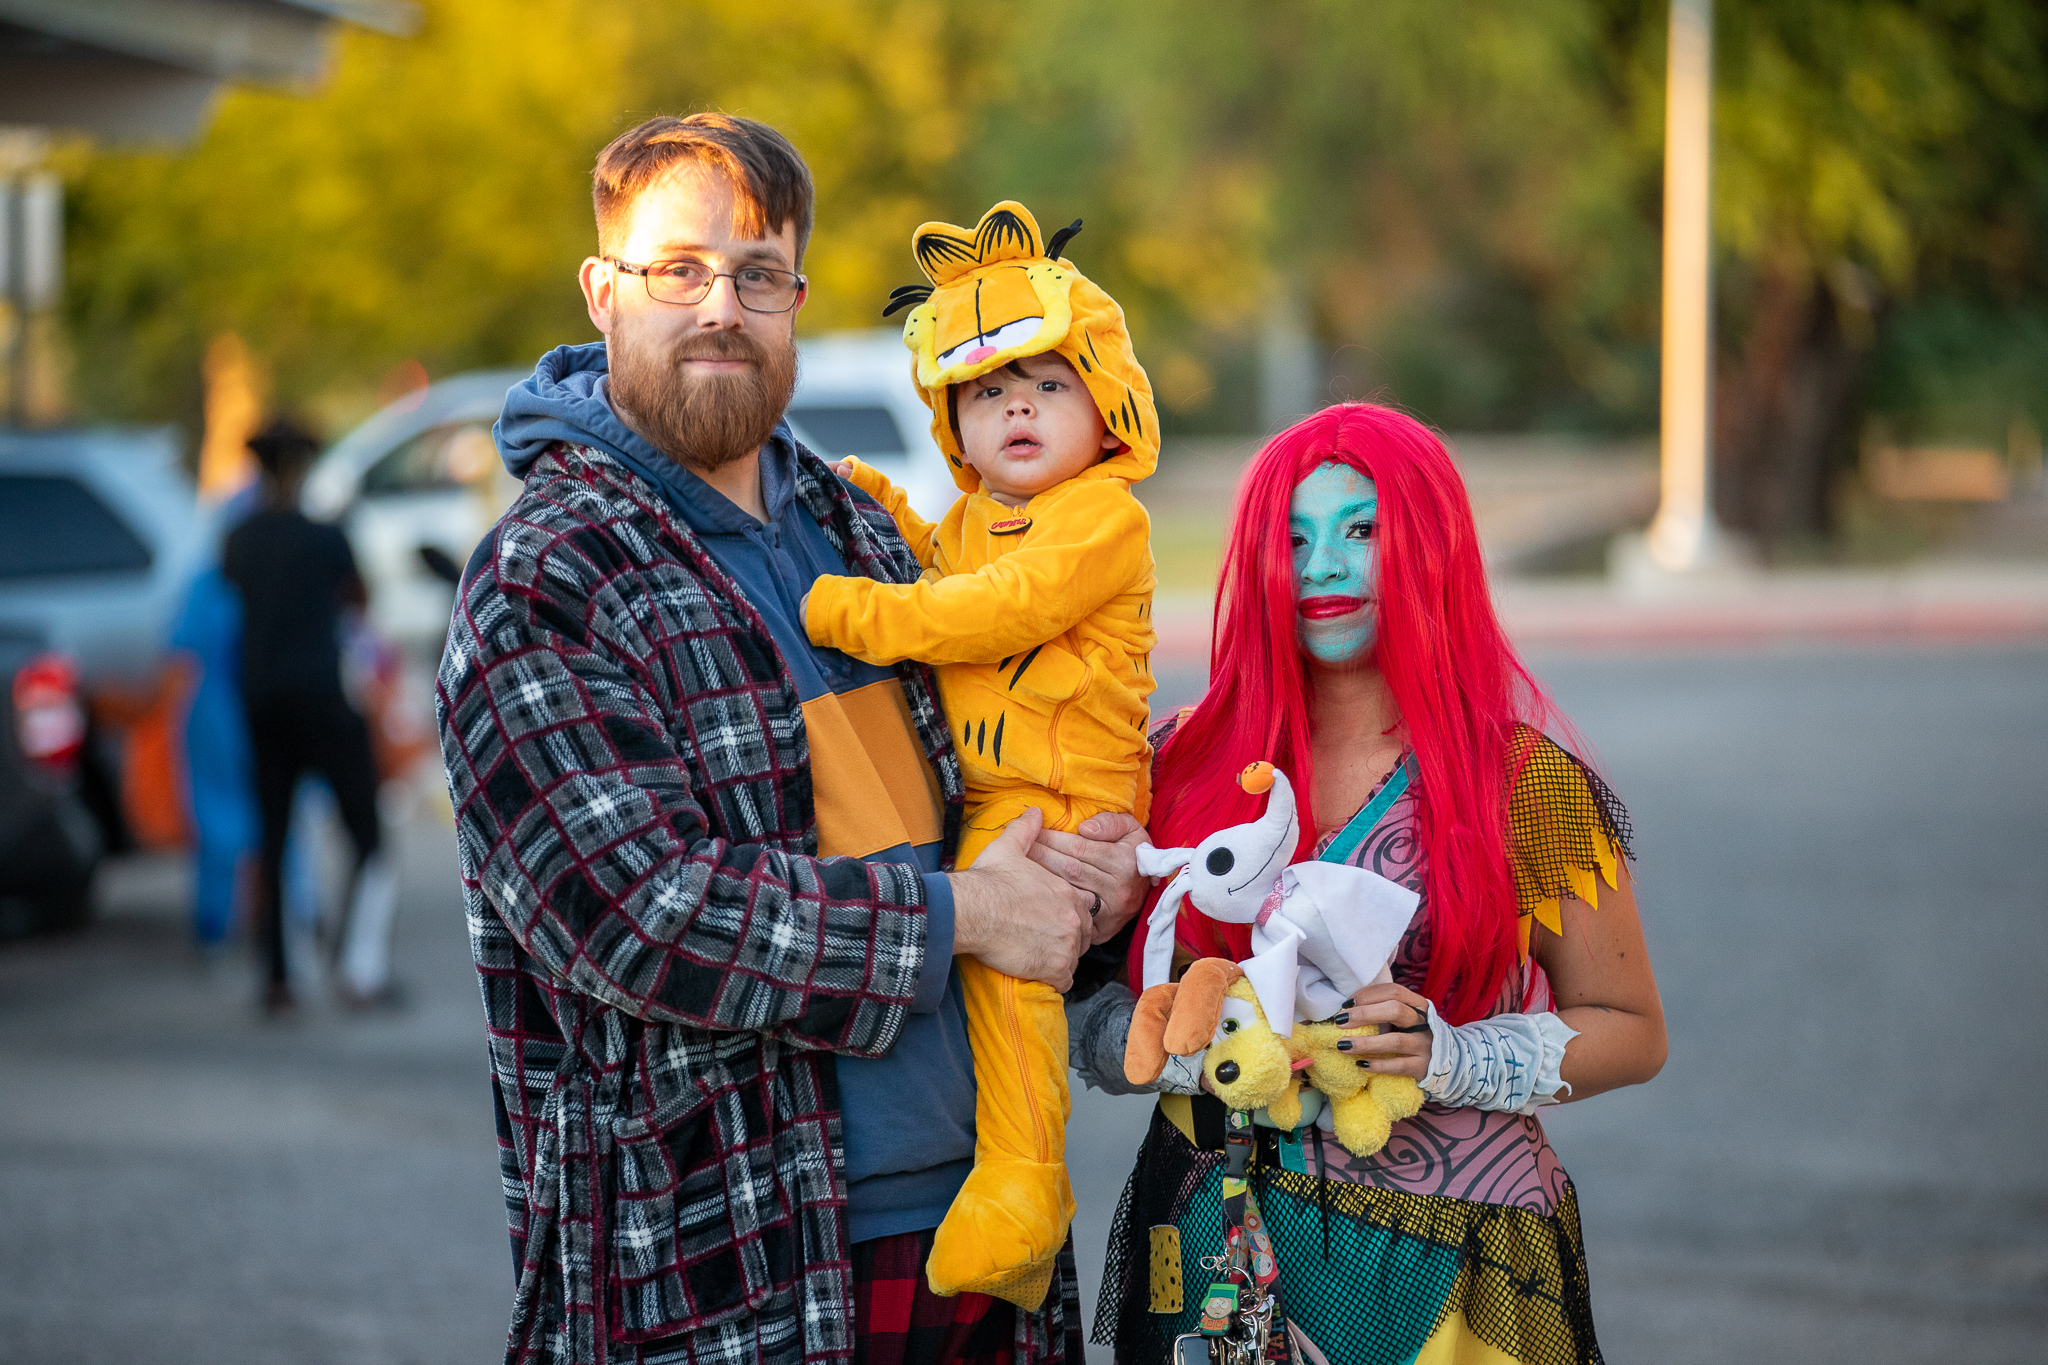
{"x": 1000, "y": 293}
{"x": 564, "y": 400}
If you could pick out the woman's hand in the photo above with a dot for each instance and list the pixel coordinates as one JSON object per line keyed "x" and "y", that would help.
{"x": 1388, "y": 1053}
{"x": 1103, "y": 861}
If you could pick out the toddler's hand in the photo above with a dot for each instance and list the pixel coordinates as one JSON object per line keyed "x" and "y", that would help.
{"x": 843, "y": 468}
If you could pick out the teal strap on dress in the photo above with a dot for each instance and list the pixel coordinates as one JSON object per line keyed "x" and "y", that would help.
{"x": 1362, "y": 824}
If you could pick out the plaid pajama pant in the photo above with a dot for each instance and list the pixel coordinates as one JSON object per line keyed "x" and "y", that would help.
{"x": 899, "y": 1321}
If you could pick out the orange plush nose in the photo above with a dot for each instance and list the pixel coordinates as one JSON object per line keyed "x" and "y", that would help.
{"x": 1257, "y": 778}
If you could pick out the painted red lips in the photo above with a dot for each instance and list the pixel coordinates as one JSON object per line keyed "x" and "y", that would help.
{"x": 1331, "y": 607}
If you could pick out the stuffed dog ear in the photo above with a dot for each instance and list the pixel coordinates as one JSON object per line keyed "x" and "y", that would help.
{"x": 1144, "y": 1054}
{"x": 1198, "y": 1007}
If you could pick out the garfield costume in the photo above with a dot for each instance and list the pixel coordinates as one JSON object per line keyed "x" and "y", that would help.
{"x": 1041, "y": 620}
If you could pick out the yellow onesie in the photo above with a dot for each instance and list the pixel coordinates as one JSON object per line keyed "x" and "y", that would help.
{"x": 1040, "y": 619}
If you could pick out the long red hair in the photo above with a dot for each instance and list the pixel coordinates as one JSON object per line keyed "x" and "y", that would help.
{"x": 1458, "y": 683}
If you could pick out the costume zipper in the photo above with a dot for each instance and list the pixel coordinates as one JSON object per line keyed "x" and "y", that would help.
{"x": 1010, "y": 1013}
{"x": 1058, "y": 775}
{"x": 1059, "y": 760}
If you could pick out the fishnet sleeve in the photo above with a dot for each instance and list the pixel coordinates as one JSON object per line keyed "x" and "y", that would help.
{"x": 1569, "y": 831}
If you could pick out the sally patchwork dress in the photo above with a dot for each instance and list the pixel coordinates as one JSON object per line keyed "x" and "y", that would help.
{"x": 1458, "y": 1242}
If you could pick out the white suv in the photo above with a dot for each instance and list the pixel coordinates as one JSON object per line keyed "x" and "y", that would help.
{"x": 420, "y": 483}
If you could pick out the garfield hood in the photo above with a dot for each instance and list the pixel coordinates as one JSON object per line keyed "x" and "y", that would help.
{"x": 999, "y": 292}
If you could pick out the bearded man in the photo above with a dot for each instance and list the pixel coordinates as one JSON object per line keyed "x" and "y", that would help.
{"x": 703, "y": 862}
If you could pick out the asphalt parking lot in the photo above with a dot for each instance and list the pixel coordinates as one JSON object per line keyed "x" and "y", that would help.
{"x": 1844, "y": 877}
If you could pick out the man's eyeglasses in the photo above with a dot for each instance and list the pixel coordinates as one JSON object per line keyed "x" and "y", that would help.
{"x": 761, "y": 288}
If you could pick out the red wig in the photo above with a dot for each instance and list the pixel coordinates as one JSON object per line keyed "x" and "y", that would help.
{"x": 1458, "y": 684}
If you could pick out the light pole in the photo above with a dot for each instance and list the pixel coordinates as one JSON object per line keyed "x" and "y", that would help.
{"x": 1684, "y": 537}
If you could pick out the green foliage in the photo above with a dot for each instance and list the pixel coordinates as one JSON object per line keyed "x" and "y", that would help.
{"x": 1464, "y": 193}
{"x": 432, "y": 199}
{"x": 1399, "y": 166}
{"x": 1956, "y": 370}
{"x": 1892, "y": 136}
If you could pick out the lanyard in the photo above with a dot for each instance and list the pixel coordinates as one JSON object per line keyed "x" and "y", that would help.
{"x": 1248, "y": 1247}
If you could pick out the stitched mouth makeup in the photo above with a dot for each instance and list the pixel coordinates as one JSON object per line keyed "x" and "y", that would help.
{"x": 1330, "y": 607}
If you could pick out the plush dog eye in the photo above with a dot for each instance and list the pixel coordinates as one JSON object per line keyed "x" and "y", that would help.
{"x": 1220, "y": 861}
{"x": 1230, "y": 1025}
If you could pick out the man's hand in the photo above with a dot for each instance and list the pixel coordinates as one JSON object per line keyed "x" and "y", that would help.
{"x": 1102, "y": 860}
{"x": 1017, "y": 917}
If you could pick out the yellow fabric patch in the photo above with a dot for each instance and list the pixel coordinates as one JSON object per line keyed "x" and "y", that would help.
{"x": 1165, "y": 1268}
{"x": 863, "y": 743}
{"x": 1585, "y": 884}
{"x": 1453, "y": 1343}
{"x": 1180, "y": 1112}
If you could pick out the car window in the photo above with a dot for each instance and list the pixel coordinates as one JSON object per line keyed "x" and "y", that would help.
{"x": 51, "y": 525}
{"x": 459, "y": 455}
{"x": 838, "y": 430}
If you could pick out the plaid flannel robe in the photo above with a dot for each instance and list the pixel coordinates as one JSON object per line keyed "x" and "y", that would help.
{"x": 665, "y": 961}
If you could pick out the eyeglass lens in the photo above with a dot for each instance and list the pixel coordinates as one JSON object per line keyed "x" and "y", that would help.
{"x": 761, "y": 289}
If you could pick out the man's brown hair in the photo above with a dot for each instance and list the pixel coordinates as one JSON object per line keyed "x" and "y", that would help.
{"x": 771, "y": 184}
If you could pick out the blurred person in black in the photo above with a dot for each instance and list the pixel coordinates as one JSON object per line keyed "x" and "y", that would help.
{"x": 296, "y": 576}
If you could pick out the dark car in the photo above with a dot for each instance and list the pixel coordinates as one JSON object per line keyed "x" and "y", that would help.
{"x": 49, "y": 841}
{"x": 100, "y": 536}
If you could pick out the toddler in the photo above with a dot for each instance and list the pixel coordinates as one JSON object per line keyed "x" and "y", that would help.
{"x": 1036, "y": 604}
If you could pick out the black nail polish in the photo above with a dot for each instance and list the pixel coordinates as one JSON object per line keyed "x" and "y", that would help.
{"x": 1340, "y": 1018}
{"x": 1365, "y": 1062}
{"x": 1343, "y": 1045}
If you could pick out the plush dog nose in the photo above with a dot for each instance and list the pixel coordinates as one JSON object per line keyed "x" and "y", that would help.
{"x": 1226, "y": 1073}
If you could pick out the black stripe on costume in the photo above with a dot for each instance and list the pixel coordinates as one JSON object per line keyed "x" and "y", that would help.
{"x": 998, "y": 750}
{"x": 1003, "y": 226}
{"x": 1021, "y": 667}
{"x": 936, "y": 247}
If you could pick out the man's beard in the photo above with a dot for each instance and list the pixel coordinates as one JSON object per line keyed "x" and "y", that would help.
{"x": 702, "y": 421}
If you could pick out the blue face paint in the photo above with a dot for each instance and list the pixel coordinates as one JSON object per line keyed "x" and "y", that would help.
{"x": 1332, "y": 520}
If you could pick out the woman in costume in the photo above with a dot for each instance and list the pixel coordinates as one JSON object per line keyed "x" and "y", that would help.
{"x": 1357, "y": 649}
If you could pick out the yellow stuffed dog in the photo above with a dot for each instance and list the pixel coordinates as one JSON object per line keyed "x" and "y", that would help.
{"x": 1249, "y": 1066}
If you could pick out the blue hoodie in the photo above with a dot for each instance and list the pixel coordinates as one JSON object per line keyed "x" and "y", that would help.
{"x": 904, "y": 1161}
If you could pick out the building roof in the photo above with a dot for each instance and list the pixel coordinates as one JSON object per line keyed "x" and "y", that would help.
{"x": 147, "y": 69}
